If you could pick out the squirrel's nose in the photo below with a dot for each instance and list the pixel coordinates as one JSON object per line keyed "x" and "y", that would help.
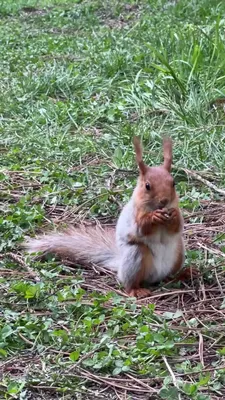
{"x": 163, "y": 203}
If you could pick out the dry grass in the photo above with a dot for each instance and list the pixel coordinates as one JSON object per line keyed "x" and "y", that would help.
{"x": 199, "y": 301}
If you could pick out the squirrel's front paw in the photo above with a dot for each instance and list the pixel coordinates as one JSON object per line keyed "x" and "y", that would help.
{"x": 173, "y": 214}
{"x": 160, "y": 216}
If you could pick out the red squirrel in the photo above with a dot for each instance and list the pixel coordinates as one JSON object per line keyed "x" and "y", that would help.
{"x": 147, "y": 244}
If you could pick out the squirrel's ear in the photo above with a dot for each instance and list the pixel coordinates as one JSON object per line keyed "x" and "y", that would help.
{"x": 138, "y": 152}
{"x": 167, "y": 153}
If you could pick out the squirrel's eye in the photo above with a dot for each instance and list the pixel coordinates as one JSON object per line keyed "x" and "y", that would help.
{"x": 148, "y": 187}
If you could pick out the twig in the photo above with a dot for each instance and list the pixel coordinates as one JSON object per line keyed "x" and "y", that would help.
{"x": 96, "y": 378}
{"x": 166, "y": 294}
{"x": 172, "y": 375}
{"x": 141, "y": 382}
{"x": 20, "y": 261}
{"x": 117, "y": 395}
{"x": 42, "y": 387}
{"x": 216, "y": 341}
{"x": 25, "y": 339}
{"x": 201, "y": 349}
{"x": 203, "y": 180}
{"x": 211, "y": 369}
{"x": 84, "y": 357}
{"x": 219, "y": 284}
{"x": 213, "y": 251}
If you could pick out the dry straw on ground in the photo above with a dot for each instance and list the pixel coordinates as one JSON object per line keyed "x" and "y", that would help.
{"x": 197, "y": 305}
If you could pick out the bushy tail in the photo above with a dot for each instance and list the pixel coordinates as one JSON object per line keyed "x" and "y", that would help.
{"x": 90, "y": 245}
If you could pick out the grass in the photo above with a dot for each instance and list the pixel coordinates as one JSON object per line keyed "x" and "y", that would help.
{"x": 78, "y": 80}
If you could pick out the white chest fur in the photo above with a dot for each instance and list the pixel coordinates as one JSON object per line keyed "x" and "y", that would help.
{"x": 164, "y": 248}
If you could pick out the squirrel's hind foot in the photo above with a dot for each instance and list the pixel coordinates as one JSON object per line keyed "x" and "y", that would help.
{"x": 139, "y": 293}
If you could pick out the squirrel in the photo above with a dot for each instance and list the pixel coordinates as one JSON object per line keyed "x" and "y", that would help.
{"x": 147, "y": 244}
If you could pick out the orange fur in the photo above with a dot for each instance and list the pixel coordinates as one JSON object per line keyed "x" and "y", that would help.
{"x": 139, "y": 292}
{"x": 177, "y": 266}
{"x": 174, "y": 223}
{"x": 138, "y": 152}
{"x": 136, "y": 290}
{"x": 145, "y": 222}
{"x": 157, "y": 206}
{"x": 181, "y": 274}
{"x": 162, "y": 190}
{"x": 167, "y": 153}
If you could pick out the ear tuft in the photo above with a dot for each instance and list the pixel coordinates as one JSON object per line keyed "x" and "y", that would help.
{"x": 139, "y": 152}
{"x": 167, "y": 153}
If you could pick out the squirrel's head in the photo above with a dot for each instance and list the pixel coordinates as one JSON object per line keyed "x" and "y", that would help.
{"x": 156, "y": 187}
